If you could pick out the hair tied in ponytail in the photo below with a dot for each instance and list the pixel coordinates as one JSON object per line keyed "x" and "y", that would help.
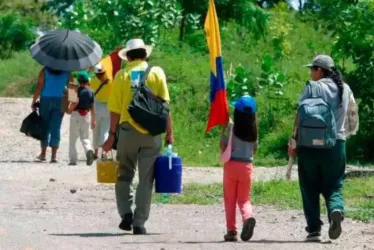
{"x": 338, "y": 79}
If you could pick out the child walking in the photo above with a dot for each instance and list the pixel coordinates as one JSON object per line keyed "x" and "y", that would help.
{"x": 82, "y": 117}
{"x": 238, "y": 146}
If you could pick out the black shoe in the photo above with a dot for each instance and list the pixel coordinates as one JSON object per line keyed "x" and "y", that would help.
{"x": 248, "y": 228}
{"x": 126, "y": 223}
{"x": 335, "y": 229}
{"x": 90, "y": 157}
{"x": 140, "y": 231}
{"x": 314, "y": 237}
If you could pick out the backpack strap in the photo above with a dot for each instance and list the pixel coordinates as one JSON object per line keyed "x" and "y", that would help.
{"x": 315, "y": 89}
{"x": 101, "y": 86}
{"x": 145, "y": 76}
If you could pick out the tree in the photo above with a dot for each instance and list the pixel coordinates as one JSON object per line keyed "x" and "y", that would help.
{"x": 59, "y": 7}
{"x": 19, "y": 21}
{"x": 244, "y": 12}
{"x": 327, "y": 7}
{"x": 31, "y": 10}
{"x": 351, "y": 24}
{"x": 268, "y": 3}
{"x": 113, "y": 22}
{"x": 354, "y": 39}
{"x": 14, "y": 33}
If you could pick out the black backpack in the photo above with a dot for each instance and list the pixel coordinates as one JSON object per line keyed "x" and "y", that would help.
{"x": 149, "y": 110}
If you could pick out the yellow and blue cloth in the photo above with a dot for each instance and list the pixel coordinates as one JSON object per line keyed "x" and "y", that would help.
{"x": 219, "y": 111}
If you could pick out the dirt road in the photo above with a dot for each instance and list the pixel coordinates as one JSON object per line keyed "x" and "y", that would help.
{"x": 44, "y": 206}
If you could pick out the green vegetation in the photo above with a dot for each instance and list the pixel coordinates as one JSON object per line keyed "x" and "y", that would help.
{"x": 17, "y": 75}
{"x": 282, "y": 194}
{"x": 264, "y": 44}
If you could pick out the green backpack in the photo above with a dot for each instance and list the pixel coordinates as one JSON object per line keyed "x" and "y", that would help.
{"x": 316, "y": 120}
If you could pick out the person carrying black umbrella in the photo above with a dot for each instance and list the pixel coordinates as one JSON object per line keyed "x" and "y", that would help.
{"x": 50, "y": 88}
{"x": 61, "y": 52}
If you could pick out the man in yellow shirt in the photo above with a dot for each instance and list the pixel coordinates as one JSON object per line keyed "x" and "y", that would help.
{"x": 135, "y": 145}
{"x": 102, "y": 87}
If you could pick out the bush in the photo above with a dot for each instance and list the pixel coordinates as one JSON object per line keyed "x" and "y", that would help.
{"x": 14, "y": 33}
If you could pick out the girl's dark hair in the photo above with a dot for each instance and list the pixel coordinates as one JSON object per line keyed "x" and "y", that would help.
{"x": 54, "y": 71}
{"x": 136, "y": 54}
{"x": 336, "y": 76}
{"x": 245, "y": 126}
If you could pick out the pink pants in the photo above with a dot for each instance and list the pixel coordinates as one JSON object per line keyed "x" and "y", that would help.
{"x": 237, "y": 190}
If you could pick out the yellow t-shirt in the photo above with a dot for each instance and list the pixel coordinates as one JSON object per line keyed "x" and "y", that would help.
{"x": 104, "y": 92}
{"x": 125, "y": 84}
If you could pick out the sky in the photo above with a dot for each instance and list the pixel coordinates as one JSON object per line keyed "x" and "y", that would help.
{"x": 295, "y": 3}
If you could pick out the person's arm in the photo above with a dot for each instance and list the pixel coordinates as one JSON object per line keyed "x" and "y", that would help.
{"x": 292, "y": 141}
{"x": 115, "y": 105}
{"x": 71, "y": 78}
{"x": 70, "y": 81}
{"x": 292, "y": 149}
{"x": 225, "y": 134}
{"x": 222, "y": 142}
{"x": 39, "y": 87}
{"x": 114, "y": 122}
{"x": 71, "y": 107}
{"x": 169, "y": 131}
{"x": 222, "y": 146}
{"x": 292, "y": 145}
{"x": 306, "y": 94}
{"x": 65, "y": 96}
{"x": 294, "y": 128}
{"x": 163, "y": 92}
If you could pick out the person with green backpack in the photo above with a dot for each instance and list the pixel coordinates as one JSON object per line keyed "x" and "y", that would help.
{"x": 318, "y": 139}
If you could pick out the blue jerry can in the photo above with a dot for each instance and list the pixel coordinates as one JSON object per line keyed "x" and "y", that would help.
{"x": 168, "y": 174}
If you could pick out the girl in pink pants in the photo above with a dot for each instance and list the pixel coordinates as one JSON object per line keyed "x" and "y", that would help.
{"x": 239, "y": 144}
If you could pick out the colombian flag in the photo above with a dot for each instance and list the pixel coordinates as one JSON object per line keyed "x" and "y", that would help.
{"x": 112, "y": 64}
{"x": 219, "y": 110}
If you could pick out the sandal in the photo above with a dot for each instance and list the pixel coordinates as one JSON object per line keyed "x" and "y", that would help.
{"x": 231, "y": 236}
{"x": 40, "y": 159}
{"x": 53, "y": 161}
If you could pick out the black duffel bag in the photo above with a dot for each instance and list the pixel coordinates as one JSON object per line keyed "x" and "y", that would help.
{"x": 33, "y": 126}
{"x": 149, "y": 110}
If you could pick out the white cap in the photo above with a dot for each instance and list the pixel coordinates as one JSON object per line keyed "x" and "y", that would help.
{"x": 99, "y": 69}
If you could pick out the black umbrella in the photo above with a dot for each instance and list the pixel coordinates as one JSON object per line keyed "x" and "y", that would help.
{"x": 66, "y": 50}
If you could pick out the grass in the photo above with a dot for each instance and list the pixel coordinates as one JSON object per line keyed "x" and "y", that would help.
{"x": 281, "y": 194}
{"x": 18, "y": 75}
